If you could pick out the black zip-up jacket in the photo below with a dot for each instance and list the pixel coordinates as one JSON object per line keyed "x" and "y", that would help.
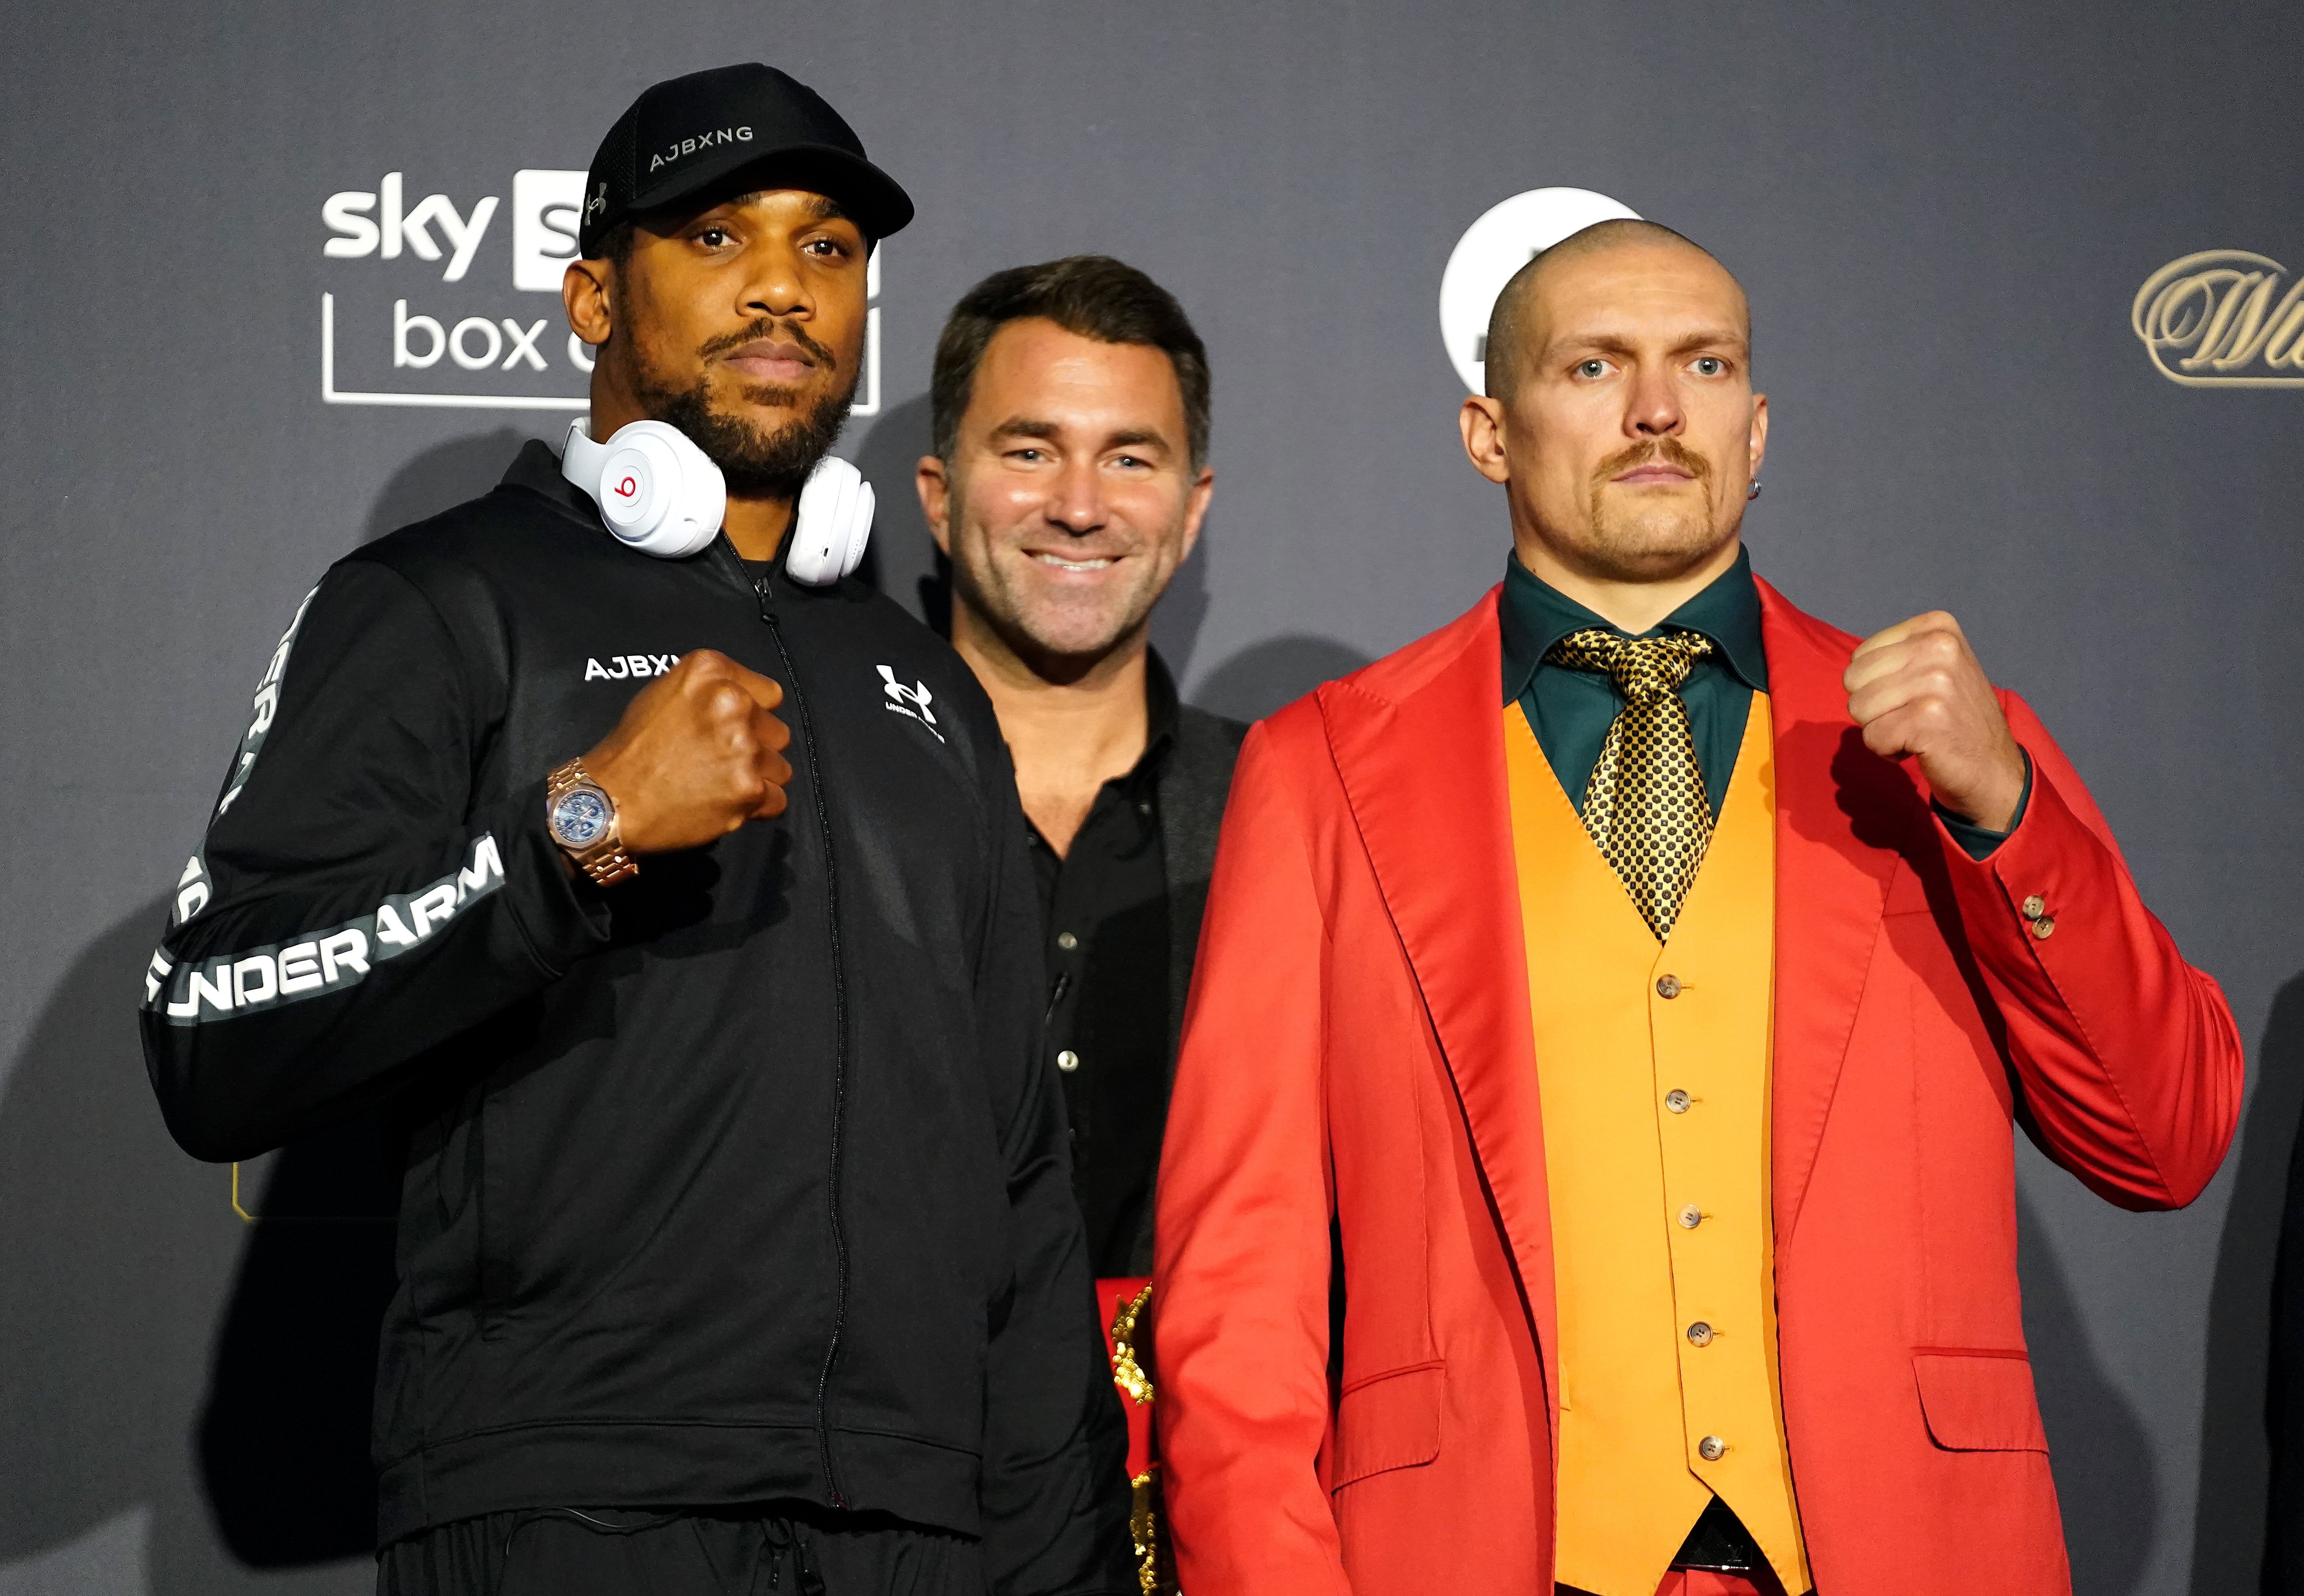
{"x": 742, "y": 1180}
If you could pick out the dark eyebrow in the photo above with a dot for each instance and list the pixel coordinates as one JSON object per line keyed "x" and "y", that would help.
{"x": 1134, "y": 437}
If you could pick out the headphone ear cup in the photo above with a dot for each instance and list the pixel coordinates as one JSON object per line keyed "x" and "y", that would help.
{"x": 693, "y": 499}
{"x": 657, "y": 492}
{"x": 824, "y": 523}
{"x": 635, "y": 482}
{"x": 859, "y": 529}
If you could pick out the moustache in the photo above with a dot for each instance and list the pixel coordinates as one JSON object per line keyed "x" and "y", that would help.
{"x": 768, "y": 327}
{"x": 1671, "y": 451}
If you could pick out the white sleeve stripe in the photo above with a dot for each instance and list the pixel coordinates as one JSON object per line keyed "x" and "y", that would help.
{"x": 320, "y": 962}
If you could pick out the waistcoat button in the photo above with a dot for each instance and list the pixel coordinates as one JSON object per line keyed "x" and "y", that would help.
{"x": 1690, "y": 1217}
{"x": 1712, "y": 1448}
{"x": 1667, "y": 987}
{"x": 1068, "y": 1060}
{"x": 1676, "y": 1100}
{"x": 2034, "y": 907}
{"x": 1700, "y": 1334}
{"x": 2044, "y": 928}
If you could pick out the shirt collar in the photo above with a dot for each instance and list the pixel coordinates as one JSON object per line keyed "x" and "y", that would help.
{"x": 1141, "y": 784}
{"x": 1159, "y": 706}
{"x": 1534, "y": 615}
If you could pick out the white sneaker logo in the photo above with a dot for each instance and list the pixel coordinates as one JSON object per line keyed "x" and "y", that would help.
{"x": 912, "y": 701}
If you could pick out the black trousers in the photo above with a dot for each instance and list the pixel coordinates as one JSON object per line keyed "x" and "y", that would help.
{"x": 790, "y": 1549}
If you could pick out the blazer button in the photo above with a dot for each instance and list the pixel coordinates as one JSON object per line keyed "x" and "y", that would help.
{"x": 1676, "y": 1100}
{"x": 1712, "y": 1448}
{"x": 1067, "y": 941}
{"x": 1068, "y": 1060}
{"x": 2044, "y": 928}
{"x": 1701, "y": 1335}
{"x": 1667, "y": 987}
{"x": 1690, "y": 1217}
{"x": 2034, "y": 907}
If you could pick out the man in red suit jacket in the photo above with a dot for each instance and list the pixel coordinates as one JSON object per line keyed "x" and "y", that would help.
{"x": 1363, "y": 1263}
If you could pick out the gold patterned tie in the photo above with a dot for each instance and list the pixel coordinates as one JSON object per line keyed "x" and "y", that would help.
{"x": 1645, "y": 804}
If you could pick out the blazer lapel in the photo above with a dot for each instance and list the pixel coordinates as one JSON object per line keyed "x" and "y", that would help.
{"x": 1840, "y": 812}
{"x": 1424, "y": 774}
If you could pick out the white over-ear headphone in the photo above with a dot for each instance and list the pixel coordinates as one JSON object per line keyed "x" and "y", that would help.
{"x": 657, "y": 492}
{"x": 660, "y": 494}
{"x": 831, "y": 524}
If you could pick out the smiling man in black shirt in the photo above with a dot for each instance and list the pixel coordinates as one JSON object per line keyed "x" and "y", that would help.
{"x": 1068, "y": 485}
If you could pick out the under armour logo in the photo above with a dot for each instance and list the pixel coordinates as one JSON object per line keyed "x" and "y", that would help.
{"x": 912, "y": 701}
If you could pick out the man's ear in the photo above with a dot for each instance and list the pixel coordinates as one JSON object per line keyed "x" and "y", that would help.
{"x": 1759, "y": 431}
{"x": 584, "y": 292}
{"x": 1196, "y": 510}
{"x": 1482, "y": 423}
{"x": 936, "y": 499}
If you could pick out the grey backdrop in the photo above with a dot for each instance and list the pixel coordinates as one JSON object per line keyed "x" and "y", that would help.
{"x": 1942, "y": 211}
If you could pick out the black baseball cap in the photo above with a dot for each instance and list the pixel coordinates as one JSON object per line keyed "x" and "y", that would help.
{"x": 687, "y": 136}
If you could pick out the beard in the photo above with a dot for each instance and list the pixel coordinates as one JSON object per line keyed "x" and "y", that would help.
{"x": 1629, "y": 542}
{"x": 756, "y": 462}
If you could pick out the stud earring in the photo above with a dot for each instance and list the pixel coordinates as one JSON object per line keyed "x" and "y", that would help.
{"x": 1754, "y": 490}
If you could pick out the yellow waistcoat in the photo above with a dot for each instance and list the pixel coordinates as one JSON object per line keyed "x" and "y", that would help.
{"x": 1653, "y": 1064}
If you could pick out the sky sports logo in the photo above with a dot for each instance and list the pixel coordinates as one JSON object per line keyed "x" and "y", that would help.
{"x": 417, "y": 311}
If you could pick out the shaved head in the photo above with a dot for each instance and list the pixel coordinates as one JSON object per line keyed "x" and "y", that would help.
{"x": 1620, "y": 417}
{"x": 1511, "y": 324}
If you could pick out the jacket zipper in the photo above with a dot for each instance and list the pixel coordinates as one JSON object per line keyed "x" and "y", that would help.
{"x": 839, "y": 1042}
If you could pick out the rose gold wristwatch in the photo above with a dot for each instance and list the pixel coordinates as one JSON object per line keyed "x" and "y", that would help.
{"x": 582, "y": 819}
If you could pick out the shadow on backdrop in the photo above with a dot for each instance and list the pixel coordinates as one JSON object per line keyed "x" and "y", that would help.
{"x": 184, "y": 1398}
{"x": 1262, "y": 677}
{"x": 2251, "y": 1524}
{"x": 284, "y": 1433}
{"x": 442, "y": 477}
{"x": 902, "y": 560}
{"x": 2106, "y": 1479}
{"x": 1176, "y": 622}
{"x": 119, "y": 1253}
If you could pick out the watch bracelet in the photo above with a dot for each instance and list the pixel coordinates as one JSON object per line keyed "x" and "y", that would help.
{"x": 609, "y": 868}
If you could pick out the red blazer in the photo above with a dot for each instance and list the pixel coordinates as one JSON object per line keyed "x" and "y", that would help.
{"x": 1357, "y": 1084}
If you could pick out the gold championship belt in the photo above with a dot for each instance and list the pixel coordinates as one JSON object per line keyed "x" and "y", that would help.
{"x": 1128, "y": 1332}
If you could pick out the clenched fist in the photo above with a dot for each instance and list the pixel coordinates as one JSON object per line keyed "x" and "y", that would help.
{"x": 1917, "y": 691}
{"x": 698, "y": 754}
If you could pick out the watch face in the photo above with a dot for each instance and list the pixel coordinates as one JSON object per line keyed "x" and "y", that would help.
{"x": 581, "y": 817}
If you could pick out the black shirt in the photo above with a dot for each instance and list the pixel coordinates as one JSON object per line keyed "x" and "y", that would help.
{"x": 1106, "y": 903}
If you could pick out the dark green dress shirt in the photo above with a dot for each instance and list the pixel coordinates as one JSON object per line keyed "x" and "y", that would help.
{"x": 1569, "y": 710}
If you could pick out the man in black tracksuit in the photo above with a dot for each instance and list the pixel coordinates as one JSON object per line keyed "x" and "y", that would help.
{"x": 737, "y": 1240}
